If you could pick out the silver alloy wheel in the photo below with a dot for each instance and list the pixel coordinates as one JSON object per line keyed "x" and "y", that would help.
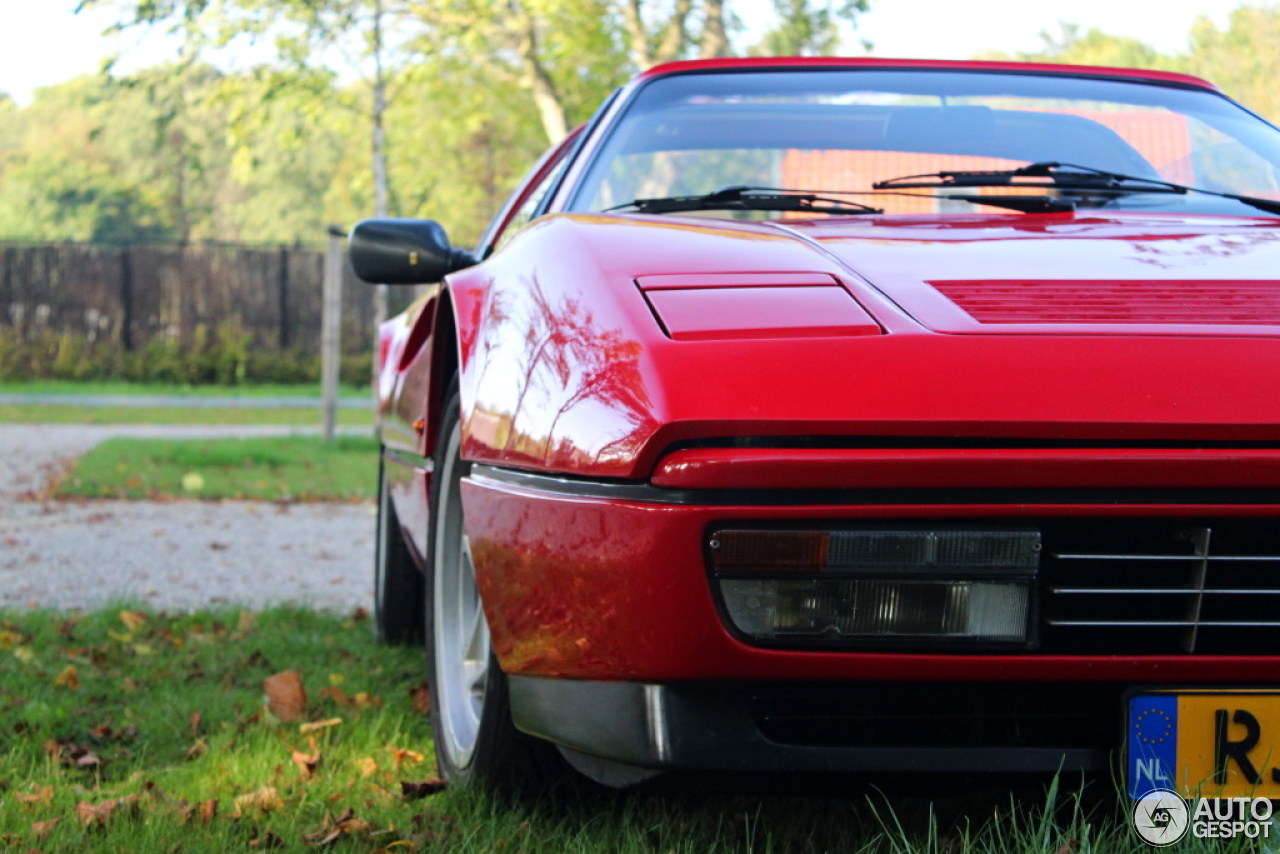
{"x": 460, "y": 631}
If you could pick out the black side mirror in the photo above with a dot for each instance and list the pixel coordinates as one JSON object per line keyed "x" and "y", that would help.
{"x": 404, "y": 252}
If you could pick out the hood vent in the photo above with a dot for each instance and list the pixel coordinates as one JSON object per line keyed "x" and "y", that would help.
{"x": 1164, "y": 302}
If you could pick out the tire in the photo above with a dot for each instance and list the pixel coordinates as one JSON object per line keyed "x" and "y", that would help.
{"x": 397, "y": 583}
{"x": 477, "y": 746}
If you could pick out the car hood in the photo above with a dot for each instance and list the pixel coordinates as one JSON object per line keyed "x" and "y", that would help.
{"x": 1067, "y": 274}
{"x": 625, "y": 336}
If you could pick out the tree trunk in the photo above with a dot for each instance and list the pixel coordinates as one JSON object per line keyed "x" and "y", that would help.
{"x": 551, "y": 110}
{"x": 637, "y": 34}
{"x": 380, "y": 206}
{"x": 715, "y": 42}
{"x": 676, "y": 36}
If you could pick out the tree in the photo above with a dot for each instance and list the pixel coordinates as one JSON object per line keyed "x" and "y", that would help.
{"x": 808, "y": 27}
{"x": 1094, "y": 47}
{"x": 1244, "y": 59}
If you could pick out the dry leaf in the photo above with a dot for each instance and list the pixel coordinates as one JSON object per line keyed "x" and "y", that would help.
{"x": 334, "y": 829}
{"x": 97, "y": 815}
{"x": 307, "y": 762}
{"x": 68, "y": 678}
{"x": 195, "y": 724}
{"x": 265, "y": 799}
{"x": 41, "y": 828}
{"x": 368, "y": 766}
{"x": 286, "y": 697}
{"x": 246, "y": 622}
{"x": 319, "y": 725}
{"x": 203, "y": 812}
{"x": 133, "y": 620}
{"x": 418, "y": 791}
{"x": 88, "y": 760}
{"x": 266, "y": 841}
{"x": 421, "y": 696}
{"x": 400, "y": 756}
{"x": 41, "y": 797}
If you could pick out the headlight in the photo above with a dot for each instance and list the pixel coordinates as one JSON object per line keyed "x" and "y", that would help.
{"x": 871, "y": 586}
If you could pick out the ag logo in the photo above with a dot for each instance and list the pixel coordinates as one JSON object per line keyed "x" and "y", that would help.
{"x": 1160, "y": 817}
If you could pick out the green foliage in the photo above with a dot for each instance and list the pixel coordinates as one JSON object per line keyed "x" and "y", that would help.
{"x": 226, "y": 358}
{"x": 1244, "y": 59}
{"x": 807, "y": 27}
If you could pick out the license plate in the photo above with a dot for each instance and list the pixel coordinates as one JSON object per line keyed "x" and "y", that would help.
{"x": 1207, "y": 743}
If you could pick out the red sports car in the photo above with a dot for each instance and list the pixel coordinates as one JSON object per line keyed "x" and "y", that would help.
{"x": 850, "y": 415}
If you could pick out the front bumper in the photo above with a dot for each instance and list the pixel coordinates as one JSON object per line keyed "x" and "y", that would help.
{"x": 867, "y": 728}
{"x": 608, "y": 582}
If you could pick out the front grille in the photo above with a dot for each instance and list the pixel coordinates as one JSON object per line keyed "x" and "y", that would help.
{"x": 1153, "y": 587}
{"x": 942, "y": 715}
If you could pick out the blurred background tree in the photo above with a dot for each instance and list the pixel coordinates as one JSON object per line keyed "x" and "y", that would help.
{"x": 449, "y": 100}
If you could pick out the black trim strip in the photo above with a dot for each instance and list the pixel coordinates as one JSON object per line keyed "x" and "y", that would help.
{"x": 627, "y": 490}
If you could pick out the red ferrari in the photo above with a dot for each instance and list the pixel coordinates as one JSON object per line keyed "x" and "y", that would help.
{"x": 850, "y": 415}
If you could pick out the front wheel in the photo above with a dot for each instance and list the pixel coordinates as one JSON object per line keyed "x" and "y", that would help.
{"x": 476, "y": 743}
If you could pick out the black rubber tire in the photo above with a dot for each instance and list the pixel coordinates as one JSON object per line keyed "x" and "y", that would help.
{"x": 397, "y": 582}
{"x": 504, "y": 760}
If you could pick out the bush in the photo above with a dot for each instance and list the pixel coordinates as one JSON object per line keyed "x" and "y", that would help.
{"x": 226, "y": 357}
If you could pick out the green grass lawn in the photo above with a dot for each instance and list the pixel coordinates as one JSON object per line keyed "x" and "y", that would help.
{"x": 290, "y": 468}
{"x": 131, "y": 730}
{"x": 61, "y": 414}
{"x": 103, "y": 387}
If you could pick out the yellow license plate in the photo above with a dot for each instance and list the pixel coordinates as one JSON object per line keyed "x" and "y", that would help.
{"x": 1206, "y": 743}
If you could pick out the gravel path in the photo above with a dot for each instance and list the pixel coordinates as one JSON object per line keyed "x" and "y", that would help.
{"x": 170, "y": 555}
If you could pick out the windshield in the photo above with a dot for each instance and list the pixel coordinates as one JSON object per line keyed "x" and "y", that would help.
{"x": 843, "y": 130}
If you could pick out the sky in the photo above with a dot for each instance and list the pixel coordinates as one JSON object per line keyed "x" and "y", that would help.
{"x": 42, "y": 42}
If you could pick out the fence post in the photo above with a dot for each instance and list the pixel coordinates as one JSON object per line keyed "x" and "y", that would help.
{"x": 331, "y": 328}
{"x": 284, "y": 297}
{"x": 126, "y": 298}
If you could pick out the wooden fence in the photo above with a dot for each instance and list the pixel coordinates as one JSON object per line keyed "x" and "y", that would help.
{"x": 132, "y": 294}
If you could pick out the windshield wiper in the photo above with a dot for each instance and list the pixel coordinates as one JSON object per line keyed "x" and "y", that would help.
{"x": 1052, "y": 175}
{"x": 739, "y": 198}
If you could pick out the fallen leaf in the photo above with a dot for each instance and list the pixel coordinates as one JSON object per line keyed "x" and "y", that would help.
{"x": 97, "y": 815}
{"x": 286, "y": 697}
{"x": 368, "y": 766}
{"x": 195, "y": 724}
{"x": 246, "y": 622}
{"x": 266, "y": 841}
{"x": 265, "y": 799}
{"x": 319, "y": 725}
{"x": 400, "y": 756}
{"x": 193, "y": 481}
{"x": 421, "y": 696}
{"x": 307, "y": 762}
{"x": 41, "y": 797}
{"x": 334, "y": 829}
{"x": 133, "y": 620}
{"x": 41, "y": 828}
{"x": 202, "y": 813}
{"x": 89, "y": 760}
{"x": 68, "y": 678}
{"x": 418, "y": 791}
{"x": 101, "y": 731}
{"x": 199, "y": 748}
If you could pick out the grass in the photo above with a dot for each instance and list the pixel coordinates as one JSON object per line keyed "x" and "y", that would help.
{"x": 60, "y": 414}
{"x": 132, "y": 730}
{"x": 289, "y": 468}
{"x": 131, "y": 388}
